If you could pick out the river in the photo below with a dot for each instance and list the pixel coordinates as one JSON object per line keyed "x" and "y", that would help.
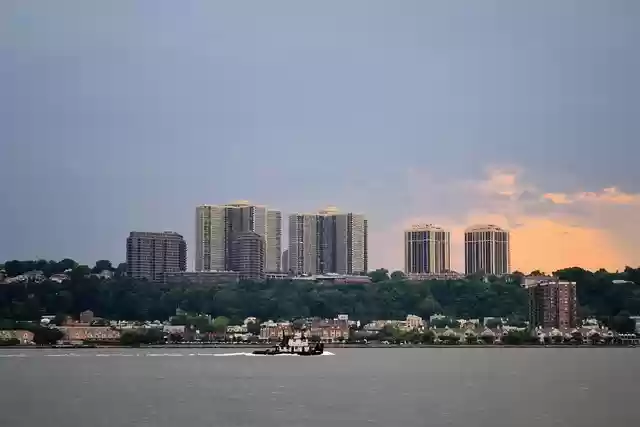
{"x": 492, "y": 387}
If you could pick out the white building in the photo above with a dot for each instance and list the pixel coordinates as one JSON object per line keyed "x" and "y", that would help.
{"x": 328, "y": 242}
{"x": 217, "y": 224}
{"x": 487, "y": 250}
{"x": 427, "y": 250}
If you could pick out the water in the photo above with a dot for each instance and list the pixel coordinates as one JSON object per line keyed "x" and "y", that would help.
{"x": 354, "y": 387}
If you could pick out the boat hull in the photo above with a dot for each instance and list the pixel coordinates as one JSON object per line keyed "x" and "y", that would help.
{"x": 276, "y": 353}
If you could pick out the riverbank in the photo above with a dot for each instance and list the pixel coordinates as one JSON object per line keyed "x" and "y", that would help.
{"x": 327, "y": 346}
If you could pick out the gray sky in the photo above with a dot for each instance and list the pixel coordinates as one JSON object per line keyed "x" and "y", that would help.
{"x": 124, "y": 115}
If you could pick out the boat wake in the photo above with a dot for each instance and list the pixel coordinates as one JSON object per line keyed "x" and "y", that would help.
{"x": 326, "y": 353}
{"x": 21, "y": 355}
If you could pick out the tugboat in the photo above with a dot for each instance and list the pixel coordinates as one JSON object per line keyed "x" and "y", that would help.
{"x": 299, "y": 345}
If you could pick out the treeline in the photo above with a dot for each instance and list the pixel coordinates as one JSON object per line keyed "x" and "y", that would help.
{"x": 389, "y": 297}
{"x": 15, "y": 267}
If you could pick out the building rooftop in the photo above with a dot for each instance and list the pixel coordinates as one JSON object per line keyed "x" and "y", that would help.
{"x": 425, "y": 227}
{"x": 484, "y": 227}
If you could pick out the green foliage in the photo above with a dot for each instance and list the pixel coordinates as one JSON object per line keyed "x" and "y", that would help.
{"x": 397, "y": 275}
{"x": 141, "y": 336}
{"x": 493, "y": 323}
{"x": 449, "y": 339}
{"x": 10, "y": 342}
{"x": 379, "y": 275}
{"x": 444, "y": 323}
{"x": 220, "y": 324}
{"x": 253, "y": 328}
{"x": 387, "y": 298}
{"x": 102, "y": 265}
{"x": 517, "y": 338}
{"x": 195, "y": 322}
{"x": 43, "y": 335}
{"x": 175, "y": 337}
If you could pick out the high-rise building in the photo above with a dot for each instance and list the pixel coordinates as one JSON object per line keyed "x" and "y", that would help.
{"x": 552, "y": 303}
{"x": 151, "y": 255}
{"x": 273, "y": 262}
{"x": 487, "y": 250}
{"x": 248, "y": 255}
{"x": 217, "y": 226}
{"x": 328, "y": 242}
{"x": 427, "y": 250}
{"x": 303, "y": 246}
{"x": 285, "y": 261}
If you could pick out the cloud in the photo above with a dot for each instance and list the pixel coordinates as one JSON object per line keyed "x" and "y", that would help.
{"x": 549, "y": 229}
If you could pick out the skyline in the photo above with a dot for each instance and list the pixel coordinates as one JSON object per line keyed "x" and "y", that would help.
{"x": 520, "y": 115}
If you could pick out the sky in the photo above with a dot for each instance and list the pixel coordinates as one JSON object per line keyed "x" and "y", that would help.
{"x": 118, "y": 116}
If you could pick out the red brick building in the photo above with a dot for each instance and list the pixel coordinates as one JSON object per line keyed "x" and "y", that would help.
{"x": 553, "y": 304}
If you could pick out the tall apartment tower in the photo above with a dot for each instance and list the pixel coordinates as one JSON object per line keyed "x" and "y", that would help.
{"x": 553, "y": 303}
{"x": 218, "y": 225}
{"x": 427, "y": 250}
{"x": 151, "y": 255}
{"x": 328, "y": 242}
{"x": 285, "y": 261}
{"x": 273, "y": 247}
{"x": 487, "y": 249}
{"x": 248, "y": 255}
{"x": 303, "y": 243}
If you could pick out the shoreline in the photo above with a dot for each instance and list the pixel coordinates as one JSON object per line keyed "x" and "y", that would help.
{"x": 327, "y": 346}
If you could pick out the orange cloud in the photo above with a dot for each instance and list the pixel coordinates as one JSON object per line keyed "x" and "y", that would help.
{"x": 549, "y": 230}
{"x": 609, "y": 195}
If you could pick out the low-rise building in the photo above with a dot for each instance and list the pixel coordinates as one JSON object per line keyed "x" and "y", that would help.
{"x": 334, "y": 278}
{"x": 414, "y": 322}
{"x": 450, "y": 275}
{"x": 86, "y": 317}
{"x": 58, "y": 277}
{"x": 636, "y": 319}
{"x": 89, "y": 333}
{"x": 271, "y": 330}
{"x": 24, "y": 337}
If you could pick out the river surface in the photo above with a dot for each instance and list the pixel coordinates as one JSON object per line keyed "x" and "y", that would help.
{"x": 489, "y": 387}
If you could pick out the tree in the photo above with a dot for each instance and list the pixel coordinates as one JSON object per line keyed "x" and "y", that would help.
{"x": 102, "y": 265}
{"x": 298, "y": 324}
{"x": 428, "y": 337}
{"x": 220, "y": 324}
{"x": 388, "y": 298}
{"x": 379, "y": 275}
{"x": 66, "y": 264}
{"x": 141, "y": 336}
{"x": 121, "y": 270}
{"x": 516, "y": 338}
{"x": 493, "y": 323}
{"x": 576, "y": 337}
{"x": 429, "y": 307}
{"x": 623, "y": 323}
{"x": 397, "y": 275}
{"x": 253, "y": 328}
{"x": 444, "y": 323}
{"x": 46, "y": 336}
{"x": 175, "y": 337}
{"x": 59, "y": 319}
{"x": 10, "y": 342}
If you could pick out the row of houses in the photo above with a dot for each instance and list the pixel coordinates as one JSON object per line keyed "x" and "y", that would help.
{"x": 38, "y": 276}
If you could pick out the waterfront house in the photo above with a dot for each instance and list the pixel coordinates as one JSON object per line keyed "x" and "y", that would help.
{"x": 79, "y": 334}
{"x": 24, "y": 337}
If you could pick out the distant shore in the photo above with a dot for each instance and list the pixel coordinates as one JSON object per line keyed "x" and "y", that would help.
{"x": 327, "y": 346}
